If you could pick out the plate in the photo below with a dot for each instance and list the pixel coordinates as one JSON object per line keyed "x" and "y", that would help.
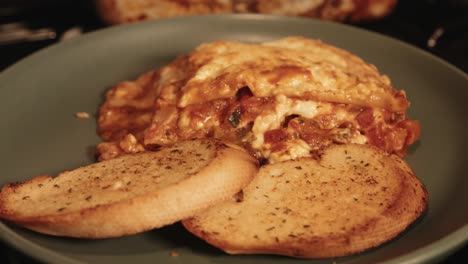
{"x": 40, "y": 134}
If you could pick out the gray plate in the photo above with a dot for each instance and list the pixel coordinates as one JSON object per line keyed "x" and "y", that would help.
{"x": 40, "y": 135}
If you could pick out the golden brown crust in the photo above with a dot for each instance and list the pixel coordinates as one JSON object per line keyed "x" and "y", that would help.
{"x": 128, "y": 107}
{"x": 355, "y": 198}
{"x": 292, "y": 66}
{"x": 124, "y": 11}
{"x": 129, "y": 194}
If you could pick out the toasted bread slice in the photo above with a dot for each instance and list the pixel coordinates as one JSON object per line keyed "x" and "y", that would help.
{"x": 355, "y": 198}
{"x": 129, "y": 194}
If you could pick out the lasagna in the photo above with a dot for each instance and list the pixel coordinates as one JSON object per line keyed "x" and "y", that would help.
{"x": 281, "y": 100}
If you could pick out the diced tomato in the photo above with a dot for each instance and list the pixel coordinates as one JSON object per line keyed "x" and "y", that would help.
{"x": 375, "y": 137}
{"x": 390, "y": 139}
{"x": 366, "y": 118}
{"x": 310, "y": 131}
{"x": 327, "y": 121}
{"x": 413, "y": 128}
{"x": 251, "y": 107}
{"x": 395, "y": 139}
{"x": 277, "y": 138}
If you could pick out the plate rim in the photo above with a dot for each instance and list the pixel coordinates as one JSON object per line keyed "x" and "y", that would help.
{"x": 449, "y": 243}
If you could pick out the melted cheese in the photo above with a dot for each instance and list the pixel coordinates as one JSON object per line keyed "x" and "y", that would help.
{"x": 284, "y": 107}
{"x": 305, "y": 77}
{"x": 295, "y": 149}
{"x": 298, "y": 148}
{"x": 295, "y": 67}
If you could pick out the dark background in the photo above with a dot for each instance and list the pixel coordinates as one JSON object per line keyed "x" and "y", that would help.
{"x": 413, "y": 21}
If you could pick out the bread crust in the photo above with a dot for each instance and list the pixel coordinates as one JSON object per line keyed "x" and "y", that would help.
{"x": 336, "y": 207}
{"x": 228, "y": 170}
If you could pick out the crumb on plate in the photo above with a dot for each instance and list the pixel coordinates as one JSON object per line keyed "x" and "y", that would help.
{"x": 82, "y": 115}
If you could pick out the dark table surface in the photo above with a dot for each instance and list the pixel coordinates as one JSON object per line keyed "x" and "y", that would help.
{"x": 437, "y": 26}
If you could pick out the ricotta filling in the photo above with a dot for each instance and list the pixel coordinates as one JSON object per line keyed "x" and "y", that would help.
{"x": 284, "y": 107}
{"x": 296, "y": 148}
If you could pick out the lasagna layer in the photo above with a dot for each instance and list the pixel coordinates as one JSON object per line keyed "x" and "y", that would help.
{"x": 282, "y": 100}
